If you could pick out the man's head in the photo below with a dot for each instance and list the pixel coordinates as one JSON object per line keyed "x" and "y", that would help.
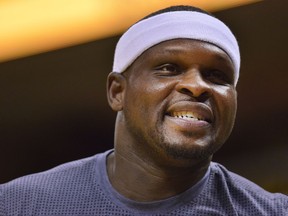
{"x": 174, "y": 23}
{"x": 175, "y": 95}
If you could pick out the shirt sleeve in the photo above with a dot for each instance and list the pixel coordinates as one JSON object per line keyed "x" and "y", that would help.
{"x": 2, "y": 207}
{"x": 286, "y": 205}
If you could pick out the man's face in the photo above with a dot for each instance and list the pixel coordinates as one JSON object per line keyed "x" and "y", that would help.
{"x": 180, "y": 99}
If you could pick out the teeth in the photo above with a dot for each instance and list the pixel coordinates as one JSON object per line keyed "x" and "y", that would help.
{"x": 185, "y": 115}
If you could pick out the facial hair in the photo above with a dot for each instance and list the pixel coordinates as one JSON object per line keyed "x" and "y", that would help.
{"x": 160, "y": 141}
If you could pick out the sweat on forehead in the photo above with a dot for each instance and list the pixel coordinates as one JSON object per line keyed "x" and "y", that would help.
{"x": 174, "y": 25}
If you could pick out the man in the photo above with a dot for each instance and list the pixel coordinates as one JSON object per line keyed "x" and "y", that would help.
{"x": 173, "y": 86}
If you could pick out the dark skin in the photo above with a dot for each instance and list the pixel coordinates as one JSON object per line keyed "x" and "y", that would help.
{"x": 176, "y": 106}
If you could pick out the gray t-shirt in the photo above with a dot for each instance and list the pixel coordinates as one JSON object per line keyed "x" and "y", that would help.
{"x": 82, "y": 188}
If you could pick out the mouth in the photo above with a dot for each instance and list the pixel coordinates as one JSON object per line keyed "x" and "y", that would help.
{"x": 188, "y": 115}
{"x": 190, "y": 111}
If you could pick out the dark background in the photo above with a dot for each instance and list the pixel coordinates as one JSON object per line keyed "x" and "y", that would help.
{"x": 53, "y": 105}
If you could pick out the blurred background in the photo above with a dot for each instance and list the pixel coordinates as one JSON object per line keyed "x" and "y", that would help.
{"x": 54, "y": 59}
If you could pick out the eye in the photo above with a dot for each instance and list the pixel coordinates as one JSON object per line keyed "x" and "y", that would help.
{"x": 167, "y": 69}
{"x": 217, "y": 77}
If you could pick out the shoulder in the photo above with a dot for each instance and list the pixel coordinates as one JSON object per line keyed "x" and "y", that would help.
{"x": 70, "y": 184}
{"x": 245, "y": 194}
{"x": 61, "y": 172}
{"x": 75, "y": 174}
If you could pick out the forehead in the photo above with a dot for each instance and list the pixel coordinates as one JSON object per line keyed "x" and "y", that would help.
{"x": 183, "y": 49}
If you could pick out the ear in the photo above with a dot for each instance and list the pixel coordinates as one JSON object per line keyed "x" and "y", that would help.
{"x": 116, "y": 84}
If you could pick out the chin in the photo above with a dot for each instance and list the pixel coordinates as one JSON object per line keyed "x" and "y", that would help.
{"x": 189, "y": 152}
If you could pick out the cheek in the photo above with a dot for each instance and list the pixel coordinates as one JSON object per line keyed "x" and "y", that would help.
{"x": 148, "y": 98}
{"x": 227, "y": 97}
{"x": 160, "y": 87}
{"x": 225, "y": 114}
{"x": 151, "y": 90}
{"x": 232, "y": 102}
{"x": 227, "y": 106}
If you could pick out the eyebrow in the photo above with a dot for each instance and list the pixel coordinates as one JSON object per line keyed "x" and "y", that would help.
{"x": 175, "y": 50}
{"x": 171, "y": 50}
{"x": 223, "y": 59}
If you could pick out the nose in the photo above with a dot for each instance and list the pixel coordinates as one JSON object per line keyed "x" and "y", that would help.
{"x": 193, "y": 84}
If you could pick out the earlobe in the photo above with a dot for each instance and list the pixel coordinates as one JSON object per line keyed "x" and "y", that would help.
{"x": 116, "y": 84}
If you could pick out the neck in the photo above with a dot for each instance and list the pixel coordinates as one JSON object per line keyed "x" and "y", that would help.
{"x": 143, "y": 180}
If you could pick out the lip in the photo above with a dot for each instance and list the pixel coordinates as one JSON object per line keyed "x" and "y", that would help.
{"x": 200, "y": 110}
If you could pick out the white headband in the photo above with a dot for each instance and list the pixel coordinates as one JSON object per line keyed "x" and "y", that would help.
{"x": 172, "y": 25}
